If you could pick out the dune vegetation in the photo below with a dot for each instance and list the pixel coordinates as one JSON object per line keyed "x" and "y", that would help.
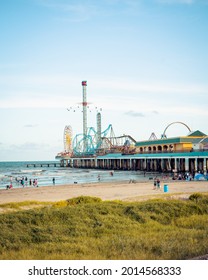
{"x": 89, "y": 228}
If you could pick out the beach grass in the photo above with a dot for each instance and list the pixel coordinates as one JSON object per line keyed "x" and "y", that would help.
{"x": 89, "y": 228}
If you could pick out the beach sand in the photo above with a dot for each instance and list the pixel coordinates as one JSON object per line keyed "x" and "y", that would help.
{"x": 124, "y": 191}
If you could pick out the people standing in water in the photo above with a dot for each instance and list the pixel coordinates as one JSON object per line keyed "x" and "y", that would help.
{"x": 53, "y": 181}
{"x": 35, "y": 183}
{"x": 23, "y": 182}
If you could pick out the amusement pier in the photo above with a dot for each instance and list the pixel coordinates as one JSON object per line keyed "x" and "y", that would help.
{"x": 94, "y": 148}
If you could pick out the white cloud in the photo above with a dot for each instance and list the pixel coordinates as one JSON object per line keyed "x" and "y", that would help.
{"x": 73, "y": 10}
{"x": 176, "y": 1}
{"x": 28, "y": 146}
{"x": 31, "y": 125}
{"x": 55, "y": 91}
{"x": 80, "y": 11}
{"x": 134, "y": 114}
{"x": 152, "y": 87}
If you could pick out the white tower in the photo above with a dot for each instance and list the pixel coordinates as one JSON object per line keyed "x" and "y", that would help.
{"x": 98, "y": 128}
{"x": 84, "y": 104}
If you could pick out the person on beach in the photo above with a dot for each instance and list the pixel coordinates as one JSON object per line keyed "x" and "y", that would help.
{"x": 23, "y": 182}
{"x": 10, "y": 186}
{"x": 158, "y": 184}
{"x": 35, "y": 182}
{"x": 155, "y": 183}
{"x": 132, "y": 181}
{"x": 98, "y": 177}
{"x": 53, "y": 181}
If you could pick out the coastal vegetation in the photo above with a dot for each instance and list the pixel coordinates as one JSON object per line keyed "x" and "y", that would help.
{"x": 89, "y": 228}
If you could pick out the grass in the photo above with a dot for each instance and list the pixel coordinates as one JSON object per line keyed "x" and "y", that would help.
{"x": 89, "y": 228}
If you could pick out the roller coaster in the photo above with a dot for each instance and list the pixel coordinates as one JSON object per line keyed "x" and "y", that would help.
{"x": 99, "y": 143}
{"x": 89, "y": 143}
{"x": 93, "y": 144}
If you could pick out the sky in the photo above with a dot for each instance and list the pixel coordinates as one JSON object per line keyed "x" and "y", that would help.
{"x": 145, "y": 63}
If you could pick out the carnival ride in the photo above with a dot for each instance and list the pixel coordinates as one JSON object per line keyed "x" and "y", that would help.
{"x": 89, "y": 143}
{"x": 164, "y": 133}
{"x": 94, "y": 144}
{"x": 67, "y": 139}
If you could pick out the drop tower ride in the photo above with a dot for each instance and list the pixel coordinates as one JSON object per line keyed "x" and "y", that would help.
{"x": 84, "y": 105}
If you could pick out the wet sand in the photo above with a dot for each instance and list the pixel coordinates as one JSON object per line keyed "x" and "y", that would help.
{"x": 124, "y": 191}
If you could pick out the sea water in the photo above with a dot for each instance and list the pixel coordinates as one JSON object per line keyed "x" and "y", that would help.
{"x": 15, "y": 171}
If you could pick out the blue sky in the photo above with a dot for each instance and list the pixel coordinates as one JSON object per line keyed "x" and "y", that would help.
{"x": 145, "y": 62}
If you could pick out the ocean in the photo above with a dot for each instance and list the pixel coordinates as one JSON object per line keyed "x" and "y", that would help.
{"x": 15, "y": 171}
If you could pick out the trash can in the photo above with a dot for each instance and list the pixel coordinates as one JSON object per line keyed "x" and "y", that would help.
{"x": 165, "y": 188}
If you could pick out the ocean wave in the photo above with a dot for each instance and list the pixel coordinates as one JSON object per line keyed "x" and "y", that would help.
{"x": 32, "y": 170}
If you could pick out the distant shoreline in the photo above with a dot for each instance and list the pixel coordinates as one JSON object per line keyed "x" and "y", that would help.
{"x": 119, "y": 190}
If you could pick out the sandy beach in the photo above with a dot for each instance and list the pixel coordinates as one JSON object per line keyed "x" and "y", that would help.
{"x": 106, "y": 191}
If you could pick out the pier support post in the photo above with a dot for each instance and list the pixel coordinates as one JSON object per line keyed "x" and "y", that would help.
{"x": 163, "y": 165}
{"x": 186, "y": 164}
{"x": 205, "y": 165}
{"x": 195, "y": 164}
{"x": 175, "y": 165}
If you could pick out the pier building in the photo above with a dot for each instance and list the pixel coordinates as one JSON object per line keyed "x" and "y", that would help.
{"x": 162, "y": 155}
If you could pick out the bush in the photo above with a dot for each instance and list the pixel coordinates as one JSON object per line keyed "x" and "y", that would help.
{"x": 196, "y": 197}
{"x": 85, "y": 228}
{"x": 83, "y": 200}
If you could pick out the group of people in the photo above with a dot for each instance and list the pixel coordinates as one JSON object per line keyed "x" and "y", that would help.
{"x": 23, "y": 182}
{"x": 187, "y": 176}
{"x": 156, "y": 184}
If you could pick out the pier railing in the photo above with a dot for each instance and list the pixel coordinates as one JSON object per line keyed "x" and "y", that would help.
{"x": 169, "y": 152}
{"x": 49, "y": 164}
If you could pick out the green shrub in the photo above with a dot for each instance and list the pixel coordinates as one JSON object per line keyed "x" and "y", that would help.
{"x": 156, "y": 229}
{"x": 83, "y": 200}
{"x": 196, "y": 197}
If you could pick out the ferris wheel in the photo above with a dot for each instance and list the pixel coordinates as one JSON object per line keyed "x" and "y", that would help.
{"x": 68, "y": 139}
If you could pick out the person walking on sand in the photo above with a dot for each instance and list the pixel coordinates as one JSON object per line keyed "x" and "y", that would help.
{"x": 158, "y": 184}
{"x": 155, "y": 183}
